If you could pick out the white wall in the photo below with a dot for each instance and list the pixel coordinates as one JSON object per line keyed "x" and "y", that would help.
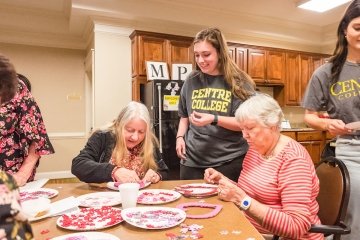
{"x": 112, "y": 81}
{"x": 57, "y": 78}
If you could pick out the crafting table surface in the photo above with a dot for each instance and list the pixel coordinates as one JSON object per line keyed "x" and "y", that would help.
{"x": 229, "y": 224}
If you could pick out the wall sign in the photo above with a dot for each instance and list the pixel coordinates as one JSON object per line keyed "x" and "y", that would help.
{"x": 180, "y": 71}
{"x": 159, "y": 71}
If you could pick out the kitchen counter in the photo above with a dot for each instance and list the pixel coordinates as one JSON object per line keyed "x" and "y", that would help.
{"x": 298, "y": 129}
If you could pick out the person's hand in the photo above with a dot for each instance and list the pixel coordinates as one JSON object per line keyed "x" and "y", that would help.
{"x": 212, "y": 176}
{"x": 201, "y": 119}
{"x": 337, "y": 127}
{"x": 151, "y": 176}
{"x": 20, "y": 179}
{"x": 228, "y": 191}
{"x": 125, "y": 175}
{"x": 180, "y": 148}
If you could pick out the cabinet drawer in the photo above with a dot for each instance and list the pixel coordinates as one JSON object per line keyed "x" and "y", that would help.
{"x": 309, "y": 136}
{"x": 329, "y": 136}
{"x": 289, "y": 134}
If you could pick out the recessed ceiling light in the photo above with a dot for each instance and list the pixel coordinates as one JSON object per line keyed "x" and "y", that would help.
{"x": 320, "y": 5}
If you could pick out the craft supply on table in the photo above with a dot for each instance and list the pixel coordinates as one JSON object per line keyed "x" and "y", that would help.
{"x": 217, "y": 208}
{"x": 153, "y": 217}
{"x": 90, "y": 218}
{"x": 157, "y": 196}
{"x": 197, "y": 190}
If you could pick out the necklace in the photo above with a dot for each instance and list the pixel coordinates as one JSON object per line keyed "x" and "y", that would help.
{"x": 271, "y": 150}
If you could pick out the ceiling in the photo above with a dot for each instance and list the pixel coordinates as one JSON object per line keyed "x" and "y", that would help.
{"x": 67, "y": 23}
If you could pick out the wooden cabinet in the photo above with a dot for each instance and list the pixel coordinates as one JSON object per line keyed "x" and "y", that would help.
{"x": 288, "y": 71}
{"x": 266, "y": 67}
{"x": 314, "y": 149}
{"x": 149, "y": 46}
{"x": 313, "y": 141}
{"x": 299, "y": 69}
{"x": 292, "y": 83}
{"x": 240, "y": 56}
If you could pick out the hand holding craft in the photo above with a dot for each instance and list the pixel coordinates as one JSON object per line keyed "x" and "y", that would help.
{"x": 151, "y": 176}
{"x": 124, "y": 175}
{"x": 212, "y": 176}
{"x": 229, "y": 191}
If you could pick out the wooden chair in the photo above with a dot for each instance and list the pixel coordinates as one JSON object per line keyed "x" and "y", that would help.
{"x": 333, "y": 198}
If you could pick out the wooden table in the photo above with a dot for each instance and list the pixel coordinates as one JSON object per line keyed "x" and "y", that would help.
{"x": 229, "y": 219}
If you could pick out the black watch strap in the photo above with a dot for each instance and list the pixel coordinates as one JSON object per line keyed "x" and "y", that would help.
{"x": 215, "y": 122}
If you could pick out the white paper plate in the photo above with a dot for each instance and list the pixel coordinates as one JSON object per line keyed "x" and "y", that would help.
{"x": 99, "y": 199}
{"x": 87, "y": 236}
{"x": 153, "y": 217}
{"x": 353, "y": 125}
{"x": 90, "y": 219}
{"x": 37, "y": 192}
{"x": 115, "y": 185}
{"x": 157, "y": 196}
{"x": 197, "y": 190}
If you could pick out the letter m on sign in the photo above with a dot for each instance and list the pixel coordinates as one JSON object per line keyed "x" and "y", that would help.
{"x": 157, "y": 70}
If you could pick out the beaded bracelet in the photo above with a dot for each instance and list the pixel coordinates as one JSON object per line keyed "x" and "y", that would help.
{"x": 179, "y": 137}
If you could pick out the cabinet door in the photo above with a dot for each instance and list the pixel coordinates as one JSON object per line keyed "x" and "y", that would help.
{"x": 232, "y": 53}
{"x": 180, "y": 52}
{"x": 292, "y": 83}
{"x": 275, "y": 67}
{"x": 151, "y": 49}
{"x": 314, "y": 149}
{"x": 239, "y": 55}
{"x": 257, "y": 65}
{"x": 316, "y": 62}
{"x": 241, "y": 58}
{"x": 305, "y": 71}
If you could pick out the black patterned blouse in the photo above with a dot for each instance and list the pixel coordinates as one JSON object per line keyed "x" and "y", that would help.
{"x": 21, "y": 124}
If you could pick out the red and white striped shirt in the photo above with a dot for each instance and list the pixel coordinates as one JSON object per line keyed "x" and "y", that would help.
{"x": 289, "y": 186}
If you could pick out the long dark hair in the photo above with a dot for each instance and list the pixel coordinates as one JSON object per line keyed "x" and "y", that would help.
{"x": 341, "y": 49}
{"x": 8, "y": 79}
{"x": 241, "y": 83}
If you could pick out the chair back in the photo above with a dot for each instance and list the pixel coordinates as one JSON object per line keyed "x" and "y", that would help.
{"x": 334, "y": 192}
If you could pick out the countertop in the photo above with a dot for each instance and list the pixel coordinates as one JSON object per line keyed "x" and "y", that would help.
{"x": 298, "y": 129}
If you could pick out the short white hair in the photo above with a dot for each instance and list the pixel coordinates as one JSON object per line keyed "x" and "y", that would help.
{"x": 261, "y": 108}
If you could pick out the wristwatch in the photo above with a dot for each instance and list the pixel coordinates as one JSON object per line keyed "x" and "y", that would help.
{"x": 245, "y": 203}
{"x": 215, "y": 122}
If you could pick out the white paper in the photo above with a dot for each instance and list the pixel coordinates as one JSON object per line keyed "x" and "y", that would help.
{"x": 64, "y": 206}
{"x": 35, "y": 184}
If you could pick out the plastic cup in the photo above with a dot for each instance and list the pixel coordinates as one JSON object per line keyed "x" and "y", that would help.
{"x": 129, "y": 194}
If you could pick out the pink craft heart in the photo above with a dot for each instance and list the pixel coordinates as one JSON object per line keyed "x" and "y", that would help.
{"x": 217, "y": 208}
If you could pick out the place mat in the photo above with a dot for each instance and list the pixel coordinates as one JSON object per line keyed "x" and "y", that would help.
{"x": 98, "y": 199}
{"x": 115, "y": 185}
{"x": 197, "y": 190}
{"x": 27, "y": 194}
{"x": 90, "y": 219}
{"x": 87, "y": 236}
{"x": 157, "y": 196}
{"x": 153, "y": 217}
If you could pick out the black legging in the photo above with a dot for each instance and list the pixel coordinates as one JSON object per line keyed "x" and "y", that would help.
{"x": 230, "y": 169}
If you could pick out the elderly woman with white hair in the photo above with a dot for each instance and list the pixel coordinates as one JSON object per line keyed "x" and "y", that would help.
{"x": 278, "y": 186}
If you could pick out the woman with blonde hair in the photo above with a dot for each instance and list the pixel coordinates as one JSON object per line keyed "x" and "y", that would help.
{"x": 125, "y": 151}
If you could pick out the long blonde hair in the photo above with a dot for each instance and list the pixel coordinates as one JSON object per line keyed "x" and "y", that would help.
{"x": 241, "y": 83}
{"x": 134, "y": 110}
